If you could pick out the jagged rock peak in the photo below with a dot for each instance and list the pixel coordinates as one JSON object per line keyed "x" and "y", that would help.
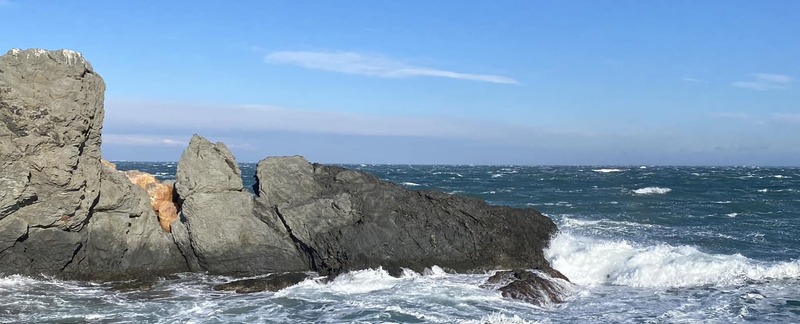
{"x": 68, "y": 57}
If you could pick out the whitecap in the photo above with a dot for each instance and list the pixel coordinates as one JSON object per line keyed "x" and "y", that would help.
{"x": 588, "y": 261}
{"x": 763, "y": 190}
{"x": 497, "y": 175}
{"x": 732, "y": 215}
{"x": 410, "y": 184}
{"x": 607, "y": 170}
{"x": 651, "y": 191}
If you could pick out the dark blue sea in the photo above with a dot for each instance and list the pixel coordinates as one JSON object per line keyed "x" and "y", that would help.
{"x": 641, "y": 244}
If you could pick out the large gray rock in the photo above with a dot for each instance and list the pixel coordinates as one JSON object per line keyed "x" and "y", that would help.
{"x": 218, "y": 230}
{"x": 347, "y": 220}
{"x": 51, "y": 113}
{"x": 61, "y": 212}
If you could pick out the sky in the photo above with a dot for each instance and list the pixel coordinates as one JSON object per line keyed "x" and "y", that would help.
{"x": 438, "y": 82}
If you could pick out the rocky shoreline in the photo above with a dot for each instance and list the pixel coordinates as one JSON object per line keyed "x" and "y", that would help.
{"x": 64, "y": 213}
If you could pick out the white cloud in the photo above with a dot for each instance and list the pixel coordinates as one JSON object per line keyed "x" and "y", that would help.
{"x": 766, "y": 81}
{"x": 372, "y": 65}
{"x": 141, "y": 140}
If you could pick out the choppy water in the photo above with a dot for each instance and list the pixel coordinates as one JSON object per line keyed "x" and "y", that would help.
{"x": 641, "y": 244}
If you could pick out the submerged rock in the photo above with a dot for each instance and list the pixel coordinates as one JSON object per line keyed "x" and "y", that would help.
{"x": 271, "y": 283}
{"x": 532, "y": 287}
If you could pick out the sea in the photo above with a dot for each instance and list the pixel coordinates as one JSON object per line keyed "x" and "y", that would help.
{"x": 640, "y": 244}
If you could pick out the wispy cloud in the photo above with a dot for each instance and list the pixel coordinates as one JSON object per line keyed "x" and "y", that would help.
{"x": 373, "y": 65}
{"x": 730, "y": 115}
{"x": 766, "y": 81}
{"x": 693, "y": 80}
{"x": 786, "y": 118}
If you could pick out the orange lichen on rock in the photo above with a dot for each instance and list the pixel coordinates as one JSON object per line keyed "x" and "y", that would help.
{"x": 108, "y": 164}
{"x": 160, "y": 197}
{"x": 141, "y": 179}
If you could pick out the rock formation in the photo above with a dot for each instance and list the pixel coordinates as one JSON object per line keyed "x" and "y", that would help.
{"x": 346, "y": 220}
{"x": 61, "y": 211}
{"x": 219, "y": 231}
{"x": 64, "y": 212}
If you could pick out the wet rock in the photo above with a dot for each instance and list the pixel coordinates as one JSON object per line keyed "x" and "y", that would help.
{"x": 532, "y": 287}
{"x": 271, "y": 283}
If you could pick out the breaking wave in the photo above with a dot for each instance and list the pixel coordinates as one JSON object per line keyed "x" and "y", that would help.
{"x": 588, "y": 261}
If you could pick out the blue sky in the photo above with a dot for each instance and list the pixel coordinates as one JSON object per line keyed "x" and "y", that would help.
{"x": 464, "y": 82}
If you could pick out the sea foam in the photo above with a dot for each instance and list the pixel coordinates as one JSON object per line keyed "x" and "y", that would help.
{"x": 588, "y": 261}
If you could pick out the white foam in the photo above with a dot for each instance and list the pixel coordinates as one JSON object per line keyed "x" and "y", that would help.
{"x": 732, "y": 215}
{"x": 651, "y": 191}
{"x": 762, "y": 190}
{"x": 608, "y": 170}
{"x": 500, "y": 318}
{"x": 410, "y": 184}
{"x": 588, "y": 261}
{"x": 15, "y": 281}
{"x": 497, "y": 175}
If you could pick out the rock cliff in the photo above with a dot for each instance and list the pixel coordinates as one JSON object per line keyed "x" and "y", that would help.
{"x": 65, "y": 213}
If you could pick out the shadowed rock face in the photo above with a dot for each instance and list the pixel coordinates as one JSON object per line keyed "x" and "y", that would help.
{"x": 65, "y": 213}
{"x": 347, "y": 220}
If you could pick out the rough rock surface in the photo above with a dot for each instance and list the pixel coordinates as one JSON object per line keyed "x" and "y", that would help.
{"x": 51, "y": 111}
{"x": 218, "y": 230}
{"x": 533, "y": 287}
{"x": 347, "y": 220}
{"x": 61, "y": 212}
